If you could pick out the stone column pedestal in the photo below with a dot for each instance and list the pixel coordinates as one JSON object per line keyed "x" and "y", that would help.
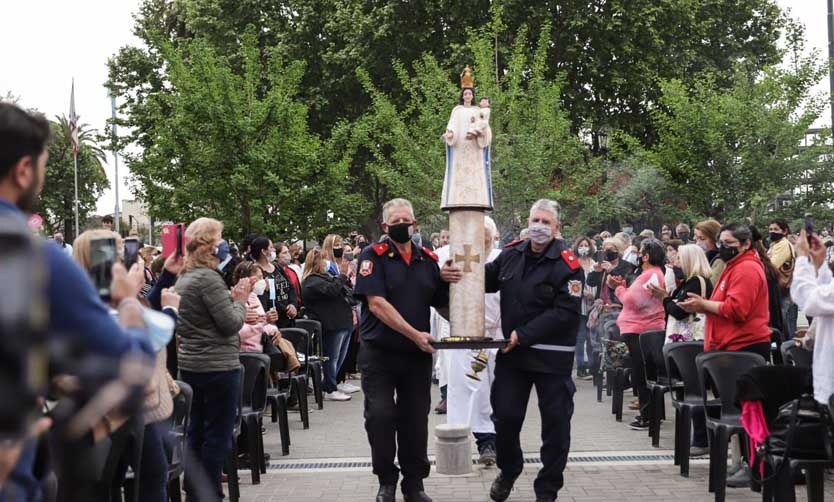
{"x": 453, "y": 449}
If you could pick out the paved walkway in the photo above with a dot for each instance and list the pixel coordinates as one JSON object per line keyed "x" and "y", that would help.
{"x": 331, "y": 461}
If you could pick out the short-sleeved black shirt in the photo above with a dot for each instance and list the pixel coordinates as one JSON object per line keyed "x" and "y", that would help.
{"x": 410, "y": 287}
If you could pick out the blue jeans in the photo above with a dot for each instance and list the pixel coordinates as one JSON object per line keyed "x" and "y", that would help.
{"x": 582, "y": 339}
{"x": 213, "y": 413}
{"x": 789, "y": 314}
{"x": 22, "y": 486}
{"x": 336, "y": 344}
{"x": 484, "y": 439}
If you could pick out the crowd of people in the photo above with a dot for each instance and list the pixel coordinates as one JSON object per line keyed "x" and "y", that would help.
{"x": 189, "y": 315}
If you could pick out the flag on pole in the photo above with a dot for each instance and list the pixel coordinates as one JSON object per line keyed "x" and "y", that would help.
{"x": 73, "y": 122}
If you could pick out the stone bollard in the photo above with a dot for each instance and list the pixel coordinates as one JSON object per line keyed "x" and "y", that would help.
{"x": 453, "y": 452}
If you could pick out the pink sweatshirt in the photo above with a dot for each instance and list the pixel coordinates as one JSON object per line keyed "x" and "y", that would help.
{"x": 250, "y": 334}
{"x": 641, "y": 311}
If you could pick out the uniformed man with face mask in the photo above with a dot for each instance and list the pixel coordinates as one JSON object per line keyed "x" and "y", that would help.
{"x": 540, "y": 281}
{"x": 397, "y": 283}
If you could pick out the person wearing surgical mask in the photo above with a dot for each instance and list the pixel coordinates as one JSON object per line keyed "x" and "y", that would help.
{"x": 255, "y": 324}
{"x": 584, "y": 250}
{"x": 279, "y": 300}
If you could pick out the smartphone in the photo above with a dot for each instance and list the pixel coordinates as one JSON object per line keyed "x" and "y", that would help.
{"x": 102, "y": 258}
{"x": 599, "y": 257}
{"x": 172, "y": 239}
{"x": 131, "y": 251}
{"x": 809, "y": 226}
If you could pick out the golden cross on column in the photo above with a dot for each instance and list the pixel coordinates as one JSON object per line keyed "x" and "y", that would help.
{"x": 467, "y": 258}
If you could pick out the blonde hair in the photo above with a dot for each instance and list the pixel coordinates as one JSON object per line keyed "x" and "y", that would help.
{"x": 617, "y": 242}
{"x": 313, "y": 263}
{"x": 328, "y": 244}
{"x": 147, "y": 254}
{"x": 710, "y": 228}
{"x": 693, "y": 261}
{"x": 81, "y": 246}
{"x": 201, "y": 237}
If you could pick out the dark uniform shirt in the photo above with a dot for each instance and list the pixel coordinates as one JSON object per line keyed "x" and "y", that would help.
{"x": 541, "y": 300}
{"x": 410, "y": 287}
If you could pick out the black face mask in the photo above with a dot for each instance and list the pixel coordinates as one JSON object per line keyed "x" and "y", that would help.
{"x": 727, "y": 253}
{"x": 338, "y": 252}
{"x": 399, "y": 233}
{"x": 775, "y": 236}
{"x": 611, "y": 255}
{"x": 684, "y": 237}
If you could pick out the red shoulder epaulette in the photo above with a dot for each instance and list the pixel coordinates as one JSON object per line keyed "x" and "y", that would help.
{"x": 430, "y": 253}
{"x": 570, "y": 259}
{"x": 380, "y": 248}
{"x": 513, "y": 243}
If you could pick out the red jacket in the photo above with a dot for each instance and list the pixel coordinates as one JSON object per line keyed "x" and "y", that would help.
{"x": 744, "y": 316}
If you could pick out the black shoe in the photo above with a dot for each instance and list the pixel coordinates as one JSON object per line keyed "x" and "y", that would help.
{"x": 441, "y": 407}
{"x": 639, "y": 424}
{"x": 501, "y": 488}
{"x": 487, "y": 457}
{"x": 419, "y": 496}
{"x": 386, "y": 493}
{"x": 741, "y": 478}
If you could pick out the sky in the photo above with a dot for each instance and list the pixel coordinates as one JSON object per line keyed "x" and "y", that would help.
{"x": 44, "y": 44}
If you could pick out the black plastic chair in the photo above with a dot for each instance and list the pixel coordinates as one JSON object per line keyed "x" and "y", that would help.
{"x": 719, "y": 371}
{"x": 795, "y": 355}
{"x": 314, "y": 357}
{"x": 231, "y": 462}
{"x": 687, "y": 398}
{"x": 180, "y": 419}
{"x": 657, "y": 380}
{"x": 256, "y": 368}
{"x": 314, "y": 328}
{"x": 775, "y": 343}
{"x": 300, "y": 340}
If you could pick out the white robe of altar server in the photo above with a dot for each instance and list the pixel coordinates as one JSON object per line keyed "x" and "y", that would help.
{"x": 467, "y": 400}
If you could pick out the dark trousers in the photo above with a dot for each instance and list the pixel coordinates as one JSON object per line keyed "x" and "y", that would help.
{"x": 213, "y": 412}
{"x": 397, "y": 390}
{"x": 509, "y": 397}
{"x": 638, "y": 375}
{"x": 763, "y": 349}
{"x": 484, "y": 439}
{"x": 153, "y": 476}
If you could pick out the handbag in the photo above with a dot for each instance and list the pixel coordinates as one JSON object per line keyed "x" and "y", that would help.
{"x": 614, "y": 355}
{"x": 800, "y": 431}
{"x": 269, "y": 347}
{"x": 689, "y": 329}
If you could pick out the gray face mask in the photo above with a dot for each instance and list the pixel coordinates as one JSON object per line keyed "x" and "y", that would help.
{"x": 539, "y": 233}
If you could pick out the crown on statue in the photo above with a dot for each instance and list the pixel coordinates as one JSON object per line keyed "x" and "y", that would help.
{"x": 466, "y": 80}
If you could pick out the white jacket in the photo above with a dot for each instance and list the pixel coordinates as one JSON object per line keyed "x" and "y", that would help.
{"x": 813, "y": 292}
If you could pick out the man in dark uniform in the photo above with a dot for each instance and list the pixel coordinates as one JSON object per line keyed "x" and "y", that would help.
{"x": 541, "y": 286}
{"x": 397, "y": 282}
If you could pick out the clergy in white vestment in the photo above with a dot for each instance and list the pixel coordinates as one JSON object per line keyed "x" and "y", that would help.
{"x": 468, "y": 399}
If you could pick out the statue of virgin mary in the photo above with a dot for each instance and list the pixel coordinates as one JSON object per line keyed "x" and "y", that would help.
{"x": 468, "y": 182}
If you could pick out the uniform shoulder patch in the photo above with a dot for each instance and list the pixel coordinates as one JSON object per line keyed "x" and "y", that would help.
{"x": 570, "y": 259}
{"x": 380, "y": 248}
{"x": 366, "y": 268}
{"x": 513, "y": 243}
{"x": 431, "y": 254}
{"x": 575, "y": 288}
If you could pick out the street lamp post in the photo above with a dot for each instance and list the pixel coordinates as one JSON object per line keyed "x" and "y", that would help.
{"x": 830, "y": 60}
